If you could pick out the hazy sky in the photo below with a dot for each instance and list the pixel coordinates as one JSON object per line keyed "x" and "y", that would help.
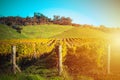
{"x": 95, "y": 12}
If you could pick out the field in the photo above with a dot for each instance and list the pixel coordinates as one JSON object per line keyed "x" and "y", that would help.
{"x": 84, "y": 53}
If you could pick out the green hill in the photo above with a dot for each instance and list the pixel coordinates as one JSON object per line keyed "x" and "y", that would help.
{"x": 44, "y": 31}
{"x": 50, "y": 31}
{"x": 59, "y": 31}
{"x": 8, "y": 33}
{"x": 81, "y": 32}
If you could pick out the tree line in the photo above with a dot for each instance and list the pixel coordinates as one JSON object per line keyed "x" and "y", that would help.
{"x": 37, "y": 19}
{"x": 16, "y": 22}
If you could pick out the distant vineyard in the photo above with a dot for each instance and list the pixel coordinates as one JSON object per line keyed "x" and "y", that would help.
{"x": 36, "y": 47}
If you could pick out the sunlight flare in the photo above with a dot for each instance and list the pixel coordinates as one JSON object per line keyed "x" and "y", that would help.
{"x": 115, "y": 39}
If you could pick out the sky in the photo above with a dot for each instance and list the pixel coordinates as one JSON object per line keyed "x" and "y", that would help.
{"x": 93, "y": 12}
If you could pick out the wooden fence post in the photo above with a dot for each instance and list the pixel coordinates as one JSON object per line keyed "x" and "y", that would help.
{"x": 109, "y": 59}
{"x": 60, "y": 60}
{"x": 14, "y": 60}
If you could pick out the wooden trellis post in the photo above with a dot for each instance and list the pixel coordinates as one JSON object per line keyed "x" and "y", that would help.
{"x": 60, "y": 60}
{"x": 14, "y": 65}
{"x": 108, "y": 60}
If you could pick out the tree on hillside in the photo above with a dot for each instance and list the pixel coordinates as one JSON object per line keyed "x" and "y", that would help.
{"x": 65, "y": 21}
{"x": 17, "y": 28}
{"x": 103, "y": 28}
{"x": 38, "y": 18}
{"x": 56, "y": 19}
{"x": 41, "y": 18}
{"x": 62, "y": 20}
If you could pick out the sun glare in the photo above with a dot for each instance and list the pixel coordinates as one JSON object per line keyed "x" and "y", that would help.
{"x": 115, "y": 39}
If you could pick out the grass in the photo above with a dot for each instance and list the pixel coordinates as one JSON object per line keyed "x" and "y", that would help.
{"x": 50, "y": 31}
{"x": 24, "y": 76}
{"x": 21, "y": 76}
{"x": 8, "y": 33}
{"x": 44, "y": 31}
{"x": 59, "y": 31}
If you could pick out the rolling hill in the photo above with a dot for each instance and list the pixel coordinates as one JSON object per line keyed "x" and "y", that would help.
{"x": 44, "y": 31}
{"x": 50, "y": 31}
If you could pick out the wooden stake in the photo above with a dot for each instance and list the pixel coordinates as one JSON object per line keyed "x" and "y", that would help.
{"x": 60, "y": 60}
{"x": 14, "y": 60}
{"x": 108, "y": 63}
